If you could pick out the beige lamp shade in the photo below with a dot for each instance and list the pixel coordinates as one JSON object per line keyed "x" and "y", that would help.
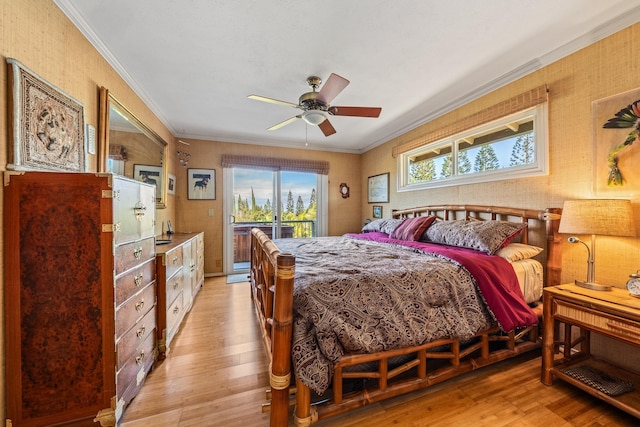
{"x": 605, "y": 217}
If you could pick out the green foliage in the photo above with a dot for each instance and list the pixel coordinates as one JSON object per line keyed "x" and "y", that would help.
{"x": 289, "y": 209}
{"x": 447, "y": 167}
{"x": 424, "y": 170}
{"x": 464, "y": 164}
{"x": 522, "y": 152}
{"x": 246, "y": 212}
{"x": 486, "y": 159}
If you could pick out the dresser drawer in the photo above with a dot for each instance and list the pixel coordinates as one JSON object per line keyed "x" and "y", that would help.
{"x": 132, "y": 281}
{"x": 599, "y": 321}
{"x": 175, "y": 312}
{"x": 131, "y": 254}
{"x": 133, "y": 372}
{"x": 174, "y": 287}
{"x": 172, "y": 261}
{"x": 129, "y": 313}
{"x": 200, "y": 242}
{"x": 132, "y": 340}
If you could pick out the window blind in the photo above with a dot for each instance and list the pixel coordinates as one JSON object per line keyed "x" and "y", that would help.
{"x": 271, "y": 163}
{"x": 520, "y": 102}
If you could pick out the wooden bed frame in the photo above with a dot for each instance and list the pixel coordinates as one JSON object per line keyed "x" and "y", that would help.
{"x": 272, "y": 279}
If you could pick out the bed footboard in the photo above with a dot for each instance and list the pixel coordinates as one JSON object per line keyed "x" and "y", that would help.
{"x": 272, "y": 276}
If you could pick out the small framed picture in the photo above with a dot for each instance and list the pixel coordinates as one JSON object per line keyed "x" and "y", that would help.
{"x": 377, "y": 211}
{"x": 202, "y": 184}
{"x": 378, "y": 190}
{"x": 151, "y": 175}
{"x": 171, "y": 184}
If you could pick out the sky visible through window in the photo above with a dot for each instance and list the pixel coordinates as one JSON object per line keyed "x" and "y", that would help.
{"x": 299, "y": 183}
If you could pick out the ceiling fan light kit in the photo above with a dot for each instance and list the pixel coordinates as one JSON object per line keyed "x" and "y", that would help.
{"x": 314, "y": 117}
{"x": 316, "y": 106}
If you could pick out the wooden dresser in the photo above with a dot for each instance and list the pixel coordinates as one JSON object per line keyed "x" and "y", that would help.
{"x": 180, "y": 273}
{"x": 80, "y": 295}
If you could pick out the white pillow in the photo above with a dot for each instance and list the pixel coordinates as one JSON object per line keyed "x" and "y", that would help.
{"x": 518, "y": 251}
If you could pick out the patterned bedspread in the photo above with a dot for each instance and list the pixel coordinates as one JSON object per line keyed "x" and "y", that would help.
{"x": 357, "y": 296}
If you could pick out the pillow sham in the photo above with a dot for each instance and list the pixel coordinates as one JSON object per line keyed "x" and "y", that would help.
{"x": 483, "y": 236}
{"x": 412, "y": 228}
{"x": 518, "y": 251}
{"x": 387, "y": 225}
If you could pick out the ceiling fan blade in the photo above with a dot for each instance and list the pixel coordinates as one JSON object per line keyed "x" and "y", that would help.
{"x": 327, "y": 128}
{"x": 332, "y": 87}
{"x": 272, "y": 101}
{"x": 286, "y": 122}
{"x": 355, "y": 111}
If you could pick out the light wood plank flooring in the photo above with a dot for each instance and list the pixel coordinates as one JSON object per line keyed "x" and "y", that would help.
{"x": 215, "y": 375}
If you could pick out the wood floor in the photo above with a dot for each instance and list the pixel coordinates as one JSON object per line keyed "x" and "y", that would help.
{"x": 215, "y": 375}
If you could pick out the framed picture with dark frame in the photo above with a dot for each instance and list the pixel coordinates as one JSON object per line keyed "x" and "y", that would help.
{"x": 171, "y": 184}
{"x": 202, "y": 184}
{"x": 151, "y": 175}
{"x": 377, "y": 212}
{"x": 378, "y": 188}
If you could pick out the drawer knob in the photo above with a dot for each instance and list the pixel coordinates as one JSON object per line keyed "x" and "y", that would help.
{"x": 139, "y": 210}
{"x": 137, "y": 253}
{"x": 175, "y": 260}
{"x": 175, "y": 285}
{"x": 176, "y": 310}
{"x": 138, "y": 279}
{"x": 140, "y": 358}
{"x": 140, "y": 305}
{"x": 140, "y": 332}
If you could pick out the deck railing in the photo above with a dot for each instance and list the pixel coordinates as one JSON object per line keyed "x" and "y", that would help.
{"x": 242, "y": 234}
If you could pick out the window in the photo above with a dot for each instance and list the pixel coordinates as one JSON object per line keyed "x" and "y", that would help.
{"x": 514, "y": 146}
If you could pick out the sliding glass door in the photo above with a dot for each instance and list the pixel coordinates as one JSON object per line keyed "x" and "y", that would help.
{"x": 282, "y": 204}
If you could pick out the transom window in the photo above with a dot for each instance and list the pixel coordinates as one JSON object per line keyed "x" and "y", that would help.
{"x": 510, "y": 147}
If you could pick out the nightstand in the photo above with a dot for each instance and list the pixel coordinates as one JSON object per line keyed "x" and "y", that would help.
{"x": 570, "y": 315}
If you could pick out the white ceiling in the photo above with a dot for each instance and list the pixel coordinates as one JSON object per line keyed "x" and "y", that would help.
{"x": 194, "y": 62}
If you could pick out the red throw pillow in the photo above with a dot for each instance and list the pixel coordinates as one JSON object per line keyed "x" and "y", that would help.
{"x": 412, "y": 228}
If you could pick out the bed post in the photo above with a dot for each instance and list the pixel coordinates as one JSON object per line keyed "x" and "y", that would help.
{"x": 280, "y": 376}
{"x": 554, "y": 246}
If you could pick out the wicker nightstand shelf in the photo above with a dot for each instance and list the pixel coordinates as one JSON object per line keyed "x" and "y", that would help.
{"x": 571, "y": 314}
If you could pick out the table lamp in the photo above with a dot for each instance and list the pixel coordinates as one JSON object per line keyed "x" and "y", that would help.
{"x": 605, "y": 217}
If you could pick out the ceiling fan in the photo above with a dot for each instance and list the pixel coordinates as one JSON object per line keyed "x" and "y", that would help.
{"x": 316, "y": 106}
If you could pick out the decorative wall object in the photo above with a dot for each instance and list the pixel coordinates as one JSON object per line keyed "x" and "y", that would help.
{"x": 377, "y": 211}
{"x": 616, "y": 148}
{"x": 344, "y": 190}
{"x": 183, "y": 154}
{"x": 171, "y": 184}
{"x": 378, "y": 189}
{"x": 202, "y": 184}
{"x": 151, "y": 175}
{"x": 48, "y": 128}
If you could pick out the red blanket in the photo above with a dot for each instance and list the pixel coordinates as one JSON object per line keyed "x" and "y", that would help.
{"x": 494, "y": 276}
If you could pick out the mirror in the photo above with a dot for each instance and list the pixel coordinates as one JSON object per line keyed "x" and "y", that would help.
{"x": 128, "y": 147}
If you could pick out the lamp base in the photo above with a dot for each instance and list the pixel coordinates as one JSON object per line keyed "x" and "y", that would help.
{"x": 593, "y": 286}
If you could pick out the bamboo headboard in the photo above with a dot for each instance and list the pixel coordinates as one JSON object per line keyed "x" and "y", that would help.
{"x": 542, "y": 228}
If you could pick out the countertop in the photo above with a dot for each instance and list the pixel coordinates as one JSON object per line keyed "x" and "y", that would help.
{"x": 176, "y": 240}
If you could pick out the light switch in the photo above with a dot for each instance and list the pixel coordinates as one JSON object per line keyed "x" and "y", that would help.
{"x": 211, "y": 212}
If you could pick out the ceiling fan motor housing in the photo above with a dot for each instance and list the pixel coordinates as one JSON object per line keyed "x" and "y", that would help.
{"x": 310, "y": 101}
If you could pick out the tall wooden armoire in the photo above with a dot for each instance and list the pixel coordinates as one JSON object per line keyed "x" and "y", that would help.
{"x": 79, "y": 296}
